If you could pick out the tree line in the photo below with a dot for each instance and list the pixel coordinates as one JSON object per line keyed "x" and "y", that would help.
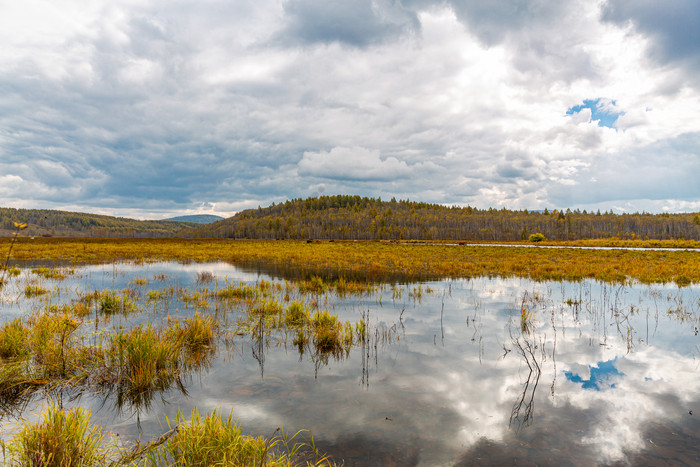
{"x": 49, "y": 223}
{"x": 347, "y": 217}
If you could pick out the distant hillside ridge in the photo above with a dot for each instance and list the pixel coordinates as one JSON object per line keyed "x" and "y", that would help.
{"x": 196, "y": 218}
{"x": 53, "y": 223}
{"x": 347, "y": 217}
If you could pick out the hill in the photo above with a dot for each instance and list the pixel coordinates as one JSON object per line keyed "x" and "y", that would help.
{"x": 196, "y": 218}
{"x": 344, "y": 217}
{"x": 46, "y": 222}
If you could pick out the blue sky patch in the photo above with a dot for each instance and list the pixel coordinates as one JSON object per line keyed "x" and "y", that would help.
{"x": 600, "y": 376}
{"x": 604, "y": 111}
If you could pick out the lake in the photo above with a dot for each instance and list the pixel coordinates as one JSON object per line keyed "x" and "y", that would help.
{"x": 455, "y": 372}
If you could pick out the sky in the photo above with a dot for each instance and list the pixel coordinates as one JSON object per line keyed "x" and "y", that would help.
{"x": 155, "y": 108}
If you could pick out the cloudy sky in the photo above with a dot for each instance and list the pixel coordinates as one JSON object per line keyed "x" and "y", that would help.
{"x": 152, "y": 108}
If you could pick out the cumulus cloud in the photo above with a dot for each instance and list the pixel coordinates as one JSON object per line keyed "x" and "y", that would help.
{"x": 359, "y": 23}
{"x": 673, "y": 29}
{"x": 355, "y": 163}
{"x": 148, "y": 108}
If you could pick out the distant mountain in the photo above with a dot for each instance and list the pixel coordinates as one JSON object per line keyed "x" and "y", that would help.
{"x": 346, "y": 217}
{"x": 52, "y": 223}
{"x": 197, "y": 218}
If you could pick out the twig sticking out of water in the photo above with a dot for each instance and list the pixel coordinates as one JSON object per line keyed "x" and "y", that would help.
{"x": 20, "y": 227}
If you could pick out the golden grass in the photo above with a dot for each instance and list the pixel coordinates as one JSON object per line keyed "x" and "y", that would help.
{"x": 379, "y": 260}
{"x": 58, "y": 438}
{"x": 66, "y": 438}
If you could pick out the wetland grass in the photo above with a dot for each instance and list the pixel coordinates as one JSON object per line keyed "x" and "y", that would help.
{"x": 213, "y": 440}
{"x": 32, "y": 290}
{"x": 58, "y": 438}
{"x": 110, "y": 303}
{"x": 378, "y": 260}
{"x": 297, "y": 315}
{"x": 329, "y": 334}
{"x": 66, "y": 438}
{"x": 55, "y": 274}
{"x": 56, "y": 349}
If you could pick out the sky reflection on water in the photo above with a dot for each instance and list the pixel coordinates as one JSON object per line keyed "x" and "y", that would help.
{"x": 452, "y": 374}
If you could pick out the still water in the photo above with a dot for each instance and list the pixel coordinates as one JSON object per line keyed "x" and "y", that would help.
{"x": 460, "y": 372}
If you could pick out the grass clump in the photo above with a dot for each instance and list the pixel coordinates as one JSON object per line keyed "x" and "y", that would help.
{"x": 143, "y": 359}
{"x": 13, "y": 340}
{"x": 329, "y": 334}
{"x": 296, "y": 315}
{"x": 197, "y": 333}
{"x": 34, "y": 291}
{"x": 110, "y": 303}
{"x": 194, "y": 339}
{"x": 14, "y": 271}
{"x": 682, "y": 281}
{"x": 58, "y": 438}
{"x": 53, "y": 273}
{"x": 231, "y": 292}
{"x": 315, "y": 285}
{"x": 266, "y": 308}
{"x": 66, "y": 438}
{"x": 216, "y": 441}
{"x": 52, "y": 344}
{"x": 211, "y": 441}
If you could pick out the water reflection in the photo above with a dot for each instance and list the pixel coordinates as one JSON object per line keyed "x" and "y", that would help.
{"x": 465, "y": 372}
{"x": 602, "y": 376}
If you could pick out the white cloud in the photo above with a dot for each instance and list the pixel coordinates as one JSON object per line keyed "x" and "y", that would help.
{"x": 449, "y": 102}
{"x": 355, "y": 163}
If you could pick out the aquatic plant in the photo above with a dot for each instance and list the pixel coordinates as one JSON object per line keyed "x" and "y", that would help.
{"x": 143, "y": 359}
{"x": 13, "y": 340}
{"x": 526, "y": 319}
{"x": 239, "y": 292}
{"x": 110, "y": 303}
{"x": 19, "y": 226}
{"x": 212, "y": 441}
{"x": 53, "y": 273}
{"x": 51, "y": 343}
{"x": 204, "y": 277}
{"x": 329, "y": 335}
{"x": 377, "y": 260}
{"x": 58, "y": 438}
{"x": 296, "y": 315}
{"x": 139, "y": 281}
{"x": 315, "y": 285}
{"x": 34, "y": 291}
{"x": 195, "y": 340}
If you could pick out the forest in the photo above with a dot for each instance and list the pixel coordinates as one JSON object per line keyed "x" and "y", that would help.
{"x": 347, "y": 217}
{"x": 344, "y": 217}
{"x": 52, "y": 223}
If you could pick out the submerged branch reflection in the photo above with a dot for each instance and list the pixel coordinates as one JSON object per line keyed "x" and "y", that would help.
{"x": 522, "y": 413}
